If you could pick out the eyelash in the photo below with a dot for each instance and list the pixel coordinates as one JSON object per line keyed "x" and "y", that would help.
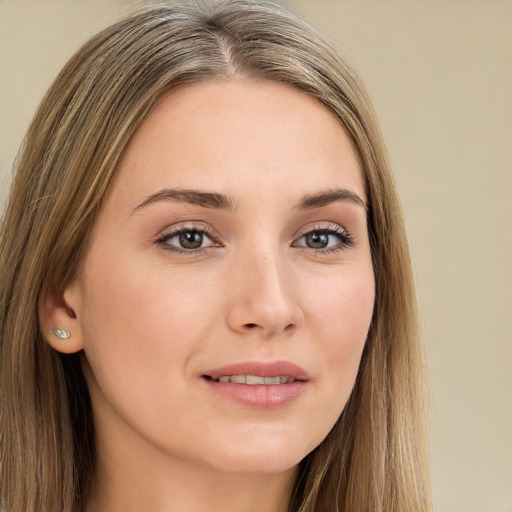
{"x": 345, "y": 240}
{"x": 166, "y": 237}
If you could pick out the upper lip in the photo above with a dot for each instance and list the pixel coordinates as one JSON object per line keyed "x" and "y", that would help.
{"x": 261, "y": 369}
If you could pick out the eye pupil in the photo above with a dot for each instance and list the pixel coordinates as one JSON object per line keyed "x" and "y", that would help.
{"x": 191, "y": 239}
{"x": 317, "y": 240}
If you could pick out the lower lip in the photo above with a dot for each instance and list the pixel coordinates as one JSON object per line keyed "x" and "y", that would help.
{"x": 259, "y": 396}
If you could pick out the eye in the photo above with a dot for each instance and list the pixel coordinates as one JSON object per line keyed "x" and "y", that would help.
{"x": 325, "y": 239}
{"x": 186, "y": 239}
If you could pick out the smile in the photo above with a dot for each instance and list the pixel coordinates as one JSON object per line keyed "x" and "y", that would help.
{"x": 255, "y": 380}
{"x": 257, "y": 384}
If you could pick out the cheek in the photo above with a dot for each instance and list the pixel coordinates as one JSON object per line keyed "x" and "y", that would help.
{"x": 341, "y": 304}
{"x": 141, "y": 326}
{"x": 341, "y": 317}
{"x": 143, "y": 305}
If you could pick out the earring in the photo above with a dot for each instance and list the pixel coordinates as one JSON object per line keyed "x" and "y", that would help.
{"x": 62, "y": 334}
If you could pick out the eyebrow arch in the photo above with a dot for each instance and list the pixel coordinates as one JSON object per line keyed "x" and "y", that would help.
{"x": 196, "y": 197}
{"x": 328, "y": 197}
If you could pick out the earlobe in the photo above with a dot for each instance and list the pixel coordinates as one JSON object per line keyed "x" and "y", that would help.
{"x": 61, "y": 334}
{"x": 60, "y": 323}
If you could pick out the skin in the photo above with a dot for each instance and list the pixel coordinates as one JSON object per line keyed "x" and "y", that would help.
{"x": 152, "y": 320}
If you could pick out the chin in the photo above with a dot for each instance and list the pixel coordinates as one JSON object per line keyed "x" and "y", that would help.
{"x": 261, "y": 464}
{"x": 265, "y": 455}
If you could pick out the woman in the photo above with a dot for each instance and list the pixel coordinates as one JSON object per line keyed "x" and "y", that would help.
{"x": 206, "y": 292}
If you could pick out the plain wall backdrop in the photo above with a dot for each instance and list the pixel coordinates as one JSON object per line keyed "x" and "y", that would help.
{"x": 440, "y": 75}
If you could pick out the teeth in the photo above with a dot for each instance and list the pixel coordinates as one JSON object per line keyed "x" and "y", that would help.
{"x": 255, "y": 380}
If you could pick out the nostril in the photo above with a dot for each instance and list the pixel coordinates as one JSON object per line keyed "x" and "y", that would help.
{"x": 250, "y": 326}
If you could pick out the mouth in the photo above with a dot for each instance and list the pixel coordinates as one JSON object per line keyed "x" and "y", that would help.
{"x": 253, "y": 380}
{"x": 258, "y": 385}
{"x": 255, "y": 373}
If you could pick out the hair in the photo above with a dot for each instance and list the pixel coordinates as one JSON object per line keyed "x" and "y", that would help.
{"x": 374, "y": 459}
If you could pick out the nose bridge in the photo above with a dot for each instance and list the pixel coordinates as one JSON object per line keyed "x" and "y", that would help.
{"x": 271, "y": 283}
{"x": 264, "y": 292}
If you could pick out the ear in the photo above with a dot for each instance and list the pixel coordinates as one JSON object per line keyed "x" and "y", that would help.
{"x": 60, "y": 319}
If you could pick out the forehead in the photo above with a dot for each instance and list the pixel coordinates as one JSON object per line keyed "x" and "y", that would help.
{"x": 240, "y": 135}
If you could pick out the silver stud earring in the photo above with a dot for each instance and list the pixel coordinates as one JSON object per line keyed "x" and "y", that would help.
{"x": 62, "y": 334}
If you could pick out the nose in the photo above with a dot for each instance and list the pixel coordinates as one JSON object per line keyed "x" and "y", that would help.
{"x": 264, "y": 297}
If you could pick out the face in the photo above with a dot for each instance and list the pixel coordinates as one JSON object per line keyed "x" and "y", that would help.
{"x": 227, "y": 290}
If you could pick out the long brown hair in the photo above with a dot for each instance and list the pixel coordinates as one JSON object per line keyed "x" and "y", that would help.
{"x": 374, "y": 459}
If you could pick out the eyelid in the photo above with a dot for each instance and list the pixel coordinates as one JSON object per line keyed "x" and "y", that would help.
{"x": 346, "y": 239}
{"x": 319, "y": 226}
{"x": 178, "y": 228}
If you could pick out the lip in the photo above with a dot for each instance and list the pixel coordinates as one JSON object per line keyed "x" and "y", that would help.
{"x": 261, "y": 369}
{"x": 266, "y": 396}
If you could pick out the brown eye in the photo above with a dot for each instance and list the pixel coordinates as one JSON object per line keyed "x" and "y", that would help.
{"x": 185, "y": 240}
{"x": 190, "y": 239}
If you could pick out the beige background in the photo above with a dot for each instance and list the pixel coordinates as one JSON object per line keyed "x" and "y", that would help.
{"x": 440, "y": 74}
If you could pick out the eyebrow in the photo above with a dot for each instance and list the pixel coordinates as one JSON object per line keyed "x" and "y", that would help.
{"x": 329, "y": 196}
{"x": 196, "y": 197}
{"x": 224, "y": 202}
